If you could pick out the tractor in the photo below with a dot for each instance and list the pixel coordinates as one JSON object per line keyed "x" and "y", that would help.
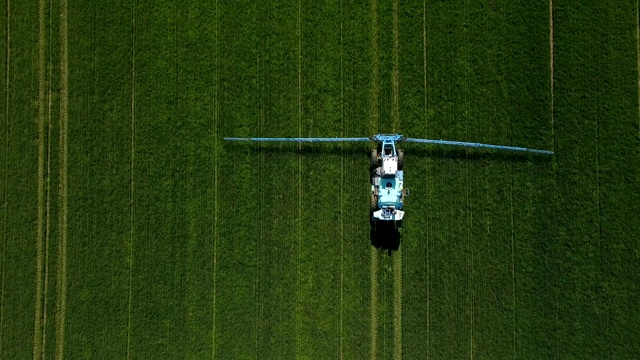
{"x": 387, "y": 181}
{"x": 386, "y": 168}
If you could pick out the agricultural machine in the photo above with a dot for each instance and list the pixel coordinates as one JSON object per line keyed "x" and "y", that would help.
{"x": 386, "y": 166}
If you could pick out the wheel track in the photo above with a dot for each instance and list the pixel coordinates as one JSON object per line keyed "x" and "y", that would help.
{"x": 61, "y": 303}
{"x": 216, "y": 224}
{"x": 397, "y": 305}
{"x": 426, "y": 125}
{"x": 6, "y": 165}
{"x": 470, "y": 246}
{"x": 513, "y": 261}
{"x": 596, "y": 104}
{"x": 513, "y": 248}
{"x": 375, "y": 93}
{"x": 342, "y": 186}
{"x": 395, "y": 77}
{"x": 48, "y": 190}
{"x": 37, "y": 332}
{"x": 261, "y": 117}
{"x": 375, "y": 86}
{"x": 551, "y": 72}
{"x": 397, "y": 259}
{"x": 553, "y": 147}
{"x": 298, "y": 306}
{"x": 132, "y": 203}
{"x": 373, "y": 270}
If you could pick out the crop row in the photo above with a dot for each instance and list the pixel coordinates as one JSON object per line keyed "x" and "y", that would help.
{"x": 182, "y": 245}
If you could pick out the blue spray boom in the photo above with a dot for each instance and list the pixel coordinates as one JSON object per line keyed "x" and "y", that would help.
{"x": 394, "y": 139}
{"x": 387, "y": 175}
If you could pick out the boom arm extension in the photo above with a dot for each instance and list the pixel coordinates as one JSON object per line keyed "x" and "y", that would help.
{"x": 299, "y": 140}
{"x": 478, "y": 145}
{"x": 395, "y": 138}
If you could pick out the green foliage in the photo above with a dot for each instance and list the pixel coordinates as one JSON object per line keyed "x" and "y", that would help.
{"x": 19, "y": 154}
{"x": 181, "y": 245}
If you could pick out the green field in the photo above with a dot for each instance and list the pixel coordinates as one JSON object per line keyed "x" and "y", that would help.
{"x": 129, "y": 229}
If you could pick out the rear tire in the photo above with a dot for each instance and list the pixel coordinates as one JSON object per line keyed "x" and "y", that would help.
{"x": 374, "y": 203}
{"x": 400, "y": 159}
{"x": 374, "y": 159}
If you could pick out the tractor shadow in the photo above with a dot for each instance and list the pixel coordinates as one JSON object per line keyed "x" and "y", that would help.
{"x": 309, "y": 149}
{"x": 384, "y": 235}
{"x": 476, "y": 154}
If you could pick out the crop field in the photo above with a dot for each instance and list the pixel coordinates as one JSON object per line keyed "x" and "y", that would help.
{"x": 130, "y": 229}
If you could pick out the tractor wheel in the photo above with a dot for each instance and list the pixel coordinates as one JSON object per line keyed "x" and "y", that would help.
{"x": 374, "y": 203}
{"x": 374, "y": 159}
{"x": 400, "y": 159}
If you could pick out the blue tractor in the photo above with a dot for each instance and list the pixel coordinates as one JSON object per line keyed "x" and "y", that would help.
{"x": 386, "y": 166}
{"x": 387, "y": 180}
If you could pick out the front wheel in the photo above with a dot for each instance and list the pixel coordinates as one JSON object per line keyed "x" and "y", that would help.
{"x": 374, "y": 203}
{"x": 374, "y": 159}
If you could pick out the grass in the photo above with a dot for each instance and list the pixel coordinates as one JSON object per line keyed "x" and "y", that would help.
{"x": 180, "y": 245}
{"x": 19, "y": 178}
{"x": 597, "y": 177}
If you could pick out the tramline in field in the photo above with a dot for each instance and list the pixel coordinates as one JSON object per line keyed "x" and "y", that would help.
{"x": 386, "y": 167}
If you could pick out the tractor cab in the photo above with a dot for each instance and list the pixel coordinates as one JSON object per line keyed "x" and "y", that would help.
{"x": 388, "y": 149}
{"x": 389, "y": 158}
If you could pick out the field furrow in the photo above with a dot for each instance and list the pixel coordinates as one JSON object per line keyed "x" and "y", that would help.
{"x": 61, "y": 288}
{"x": 551, "y": 73}
{"x": 342, "y": 182}
{"x": 300, "y": 341}
{"x": 132, "y": 203}
{"x": 513, "y": 264}
{"x": 397, "y": 259}
{"x": 128, "y": 219}
{"x": 375, "y": 69}
{"x": 374, "y": 128}
{"x": 397, "y": 305}
{"x": 40, "y": 231}
{"x": 261, "y": 89}
{"x": 374, "y": 269}
{"x": 6, "y": 66}
{"x": 216, "y": 170}
{"x": 48, "y": 238}
{"x": 395, "y": 101}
